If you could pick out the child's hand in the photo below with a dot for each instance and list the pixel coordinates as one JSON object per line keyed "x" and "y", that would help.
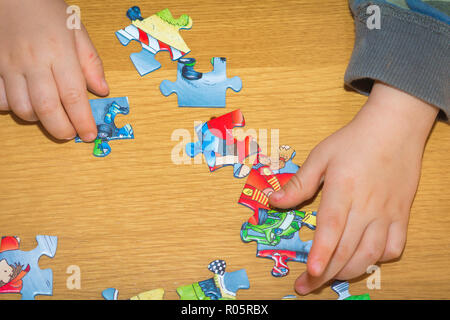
{"x": 45, "y": 68}
{"x": 370, "y": 169}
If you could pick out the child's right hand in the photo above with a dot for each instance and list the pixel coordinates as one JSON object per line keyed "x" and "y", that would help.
{"x": 45, "y": 68}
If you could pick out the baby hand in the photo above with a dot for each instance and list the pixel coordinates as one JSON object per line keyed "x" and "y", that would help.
{"x": 370, "y": 171}
{"x": 45, "y": 68}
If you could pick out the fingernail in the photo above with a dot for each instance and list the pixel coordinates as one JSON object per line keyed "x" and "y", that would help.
{"x": 90, "y": 137}
{"x": 104, "y": 83}
{"x": 278, "y": 195}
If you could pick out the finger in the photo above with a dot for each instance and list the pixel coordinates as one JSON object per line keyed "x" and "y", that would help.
{"x": 72, "y": 90}
{"x": 91, "y": 64}
{"x": 331, "y": 220}
{"x": 17, "y": 97}
{"x": 396, "y": 240}
{"x": 45, "y": 100}
{"x": 369, "y": 250}
{"x": 3, "y": 101}
{"x": 344, "y": 251}
{"x": 303, "y": 184}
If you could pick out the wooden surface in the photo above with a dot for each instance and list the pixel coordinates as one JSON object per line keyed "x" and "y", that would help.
{"x": 136, "y": 221}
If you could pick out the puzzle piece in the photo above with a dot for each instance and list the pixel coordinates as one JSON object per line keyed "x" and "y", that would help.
{"x": 104, "y": 112}
{"x": 160, "y": 32}
{"x": 223, "y": 286}
{"x": 19, "y": 270}
{"x": 341, "y": 288}
{"x": 220, "y": 148}
{"x": 277, "y": 237}
{"x": 267, "y": 176}
{"x": 196, "y": 89}
{"x": 156, "y": 294}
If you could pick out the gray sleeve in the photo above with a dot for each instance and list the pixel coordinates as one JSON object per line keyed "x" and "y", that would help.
{"x": 410, "y": 51}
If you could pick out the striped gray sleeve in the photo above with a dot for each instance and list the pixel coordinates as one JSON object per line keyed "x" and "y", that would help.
{"x": 407, "y": 50}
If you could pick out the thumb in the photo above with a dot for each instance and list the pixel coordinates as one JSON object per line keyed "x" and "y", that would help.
{"x": 303, "y": 185}
{"x": 91, "y": 64}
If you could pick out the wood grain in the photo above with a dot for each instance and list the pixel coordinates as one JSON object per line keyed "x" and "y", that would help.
{"x": 136, "y": 221}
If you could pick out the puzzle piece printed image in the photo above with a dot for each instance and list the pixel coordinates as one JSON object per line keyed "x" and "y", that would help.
{"x": 113, "y": 294}
{"x": 19, "y": 270}
{"x": 267, "y": 175}
{"x": 223, "y": 286}
{"x": 277, "y": 237}
{"x": 220, "y": 148}
{"x": 342, "y": 289}
{"x": 104, "y": 112}
{"x": 196, "y": 89}
{"x": 159, "y": 32}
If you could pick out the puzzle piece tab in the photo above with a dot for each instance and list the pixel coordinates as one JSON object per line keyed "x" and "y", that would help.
{"x": 196, "y": 89}
{"x": 104, "y": 112}
{"x": 220, "y": 148}
{"x": 341, "y": 288}
{"x": 19, "y": 270}
{"x": 277, "y": 237}
{"x": 223, "y": 286}
{"x": 160, "y": 32}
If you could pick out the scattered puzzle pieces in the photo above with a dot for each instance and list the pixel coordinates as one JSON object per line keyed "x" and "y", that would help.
{"x": 196, "y": 89}
{"x": 104, "y": 112}
{"x": 160, "y": 32}
{"x": 220, "y": 148}
{"x": 19, "y": 270}
{"x": 277, "y": 237}
{"x": 341, "y": 288}
{"x": 113, "y": 294}
{"x": 223, "y": 286}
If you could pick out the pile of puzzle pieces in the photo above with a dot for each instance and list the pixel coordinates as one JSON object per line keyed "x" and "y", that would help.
{"x": 223, "y": 286}
{"x": 276, "y": 233}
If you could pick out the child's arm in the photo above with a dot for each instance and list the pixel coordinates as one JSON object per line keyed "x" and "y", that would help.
{"x": 370, "y": 170}
{"x": 45, "y": 68}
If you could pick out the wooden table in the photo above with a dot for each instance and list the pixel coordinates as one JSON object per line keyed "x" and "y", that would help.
{"x": 136, "y": 221}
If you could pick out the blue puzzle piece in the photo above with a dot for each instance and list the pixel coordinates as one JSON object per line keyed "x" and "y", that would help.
{"x": 105, "y": 112}
{"x": 195, "y": 89}
{"x": 110, "y": 294}
{"x": 26, "y": 277}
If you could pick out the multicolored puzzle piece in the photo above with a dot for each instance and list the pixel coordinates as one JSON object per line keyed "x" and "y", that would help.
{"x": 277, "y": 236}
{"x": 196, "y": 89}
{"x": 113, "y": 294}
{"x": 223, "y": 286}
{"x": 220, "y": 148}
{"x": 341, "y": 288}
{"x": 267, "y": 175}
{"x": 19, "y": 270}
{"x": 160, "y": 32}
{"x": 104, "y": 112}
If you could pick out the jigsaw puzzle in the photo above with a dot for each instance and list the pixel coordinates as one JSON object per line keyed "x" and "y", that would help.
{"x": 267, "y": 175}
{"x": 223, "y": 286}
{"x": 341, "y": 288}
{"x": 19, "y": 270}
{"x": 220, "y": 148}
{"x": 277, "y": 237}
{"x": 113, "y": 294}
{"x": 104, "y": 112}
{"x": 196, "y": 89}
{"x": 160, "y": 32}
